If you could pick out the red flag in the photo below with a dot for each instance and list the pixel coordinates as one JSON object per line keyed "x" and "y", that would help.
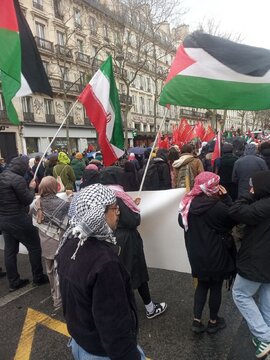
{"x": 199, "y": 130}
{"x": 209, "y": 134}
{"x": 183, "y": 130}
{"x": 217, "y": 149}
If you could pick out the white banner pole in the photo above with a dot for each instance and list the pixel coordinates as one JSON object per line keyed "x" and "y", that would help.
{"x": 57, "y": 132}
{"x": 153, "y": 147}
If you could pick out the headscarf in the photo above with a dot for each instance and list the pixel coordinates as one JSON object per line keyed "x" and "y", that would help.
{"x": 47, "y": 186}
{"x": 206, "y": 182}
{"x": 89, "y": 218}
{"x": 63, "y": 158}
{"x": 91, "y": 167}
{"x": 261, "y": 184}
{"x": 113, "y": 176}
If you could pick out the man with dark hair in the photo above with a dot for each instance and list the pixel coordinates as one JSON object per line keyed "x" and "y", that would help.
{"x": 186, "y": 168}
{"x": 16, "y": 223}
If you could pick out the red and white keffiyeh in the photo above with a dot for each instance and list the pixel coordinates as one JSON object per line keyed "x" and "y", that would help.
{"x": 206, "y": 182}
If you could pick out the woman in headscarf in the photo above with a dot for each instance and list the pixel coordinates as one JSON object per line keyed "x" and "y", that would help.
{"x": 65, "y": 171}
{"x": 50, "y": 217}
{"x": 90, "y": 175}
{"x": 98, "y": 301}
{"x": 204, "y": 215}
{"x": 128, "y": 237}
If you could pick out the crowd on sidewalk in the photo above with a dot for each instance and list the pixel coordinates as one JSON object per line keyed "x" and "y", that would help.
{"x": 94, "y": 253}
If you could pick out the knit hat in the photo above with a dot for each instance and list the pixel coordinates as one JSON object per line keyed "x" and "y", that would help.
{"x": 63, "y": 158}
{"x": 79, "y": 156}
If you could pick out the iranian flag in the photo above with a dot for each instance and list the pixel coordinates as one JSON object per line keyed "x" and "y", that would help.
{"x": 214, "y": 73}
{"x": 101, "y": 101}
{"x": 21, "y": 68}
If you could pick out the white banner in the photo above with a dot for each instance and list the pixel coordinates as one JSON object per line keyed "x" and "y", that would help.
{"x": 164, "y": 243}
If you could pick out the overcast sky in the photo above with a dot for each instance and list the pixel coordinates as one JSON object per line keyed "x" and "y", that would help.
{"x": 249, "y": 18}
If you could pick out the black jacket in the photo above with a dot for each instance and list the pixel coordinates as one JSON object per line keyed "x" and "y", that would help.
{"x": 254, "y": 211}
{"x": 210, "y": 247}
{"x": 158, "y": 176}
{"x": 128, "y": 237}
{"x": 98, "y": 301}
{"x": 15, "y": 195}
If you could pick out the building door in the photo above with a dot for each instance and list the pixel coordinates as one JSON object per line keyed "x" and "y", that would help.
{"x": 8, "y": 148}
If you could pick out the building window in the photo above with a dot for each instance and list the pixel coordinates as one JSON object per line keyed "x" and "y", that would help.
{"x": 40, "y": 30}
{"x": 27, "y": 104}
{"x": 142, "y": 108}
{"x": 77, "y": 18}
{"x": 148, "y": 84}
{"x": 2, "y": 104}
{"x": 80, "y": 45}
{"x": 92, "y": 25}
{"x": 38, "y": 4}
{"x": 64, "y": 73}
{"x": 60, "y": 38}
{"x": 49, "y": 109}
{"x": 45, "y": 65}
{"x": 150, "y": 106}
{"x": 134, "y": 102}
{"x": 31, "y": 145}
{"x": 105, "y": 31}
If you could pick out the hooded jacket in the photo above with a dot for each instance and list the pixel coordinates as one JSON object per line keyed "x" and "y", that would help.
{"x": 254, "y": 211}
{"x": 209, "y": 245}
{"x": 15, "y": 195}
{"x": 180, "y": 165}
{"x": 245, "y": 167}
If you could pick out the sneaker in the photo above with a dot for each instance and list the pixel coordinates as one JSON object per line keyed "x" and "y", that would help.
{"x": 158, "y": 310}
{"x": 198, "y": 327}
{"x": 262, "y": 349}
{"x": 21, "y": 283}
{"x": 41, "y": 281}
{"x": 255, "y": 341}
{"x": 212, "y": 328}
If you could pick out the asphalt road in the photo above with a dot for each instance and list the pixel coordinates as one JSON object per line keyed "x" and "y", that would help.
{"x": 30, "y": 330}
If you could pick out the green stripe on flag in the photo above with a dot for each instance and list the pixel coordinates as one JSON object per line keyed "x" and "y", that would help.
{"x": 10, "y": 69}
{"x": 117, "y": 138}
{"x": 215, "y": 94}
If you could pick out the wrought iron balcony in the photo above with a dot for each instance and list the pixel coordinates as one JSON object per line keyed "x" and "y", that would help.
{"x": 28, "y": 117}
{"x": 50, "y": 118}
{"x": 125, "y": 100}
{"x": 44, "y": 44}
{"x": 83, "y": 57}
{"x": 63, "y": 51}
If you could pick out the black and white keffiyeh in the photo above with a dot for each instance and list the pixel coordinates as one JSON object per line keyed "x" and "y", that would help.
{"x": 88, "y": 215}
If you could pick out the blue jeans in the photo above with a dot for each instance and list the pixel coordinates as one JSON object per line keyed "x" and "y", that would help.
{"x": 257, "y": 315}
{"x": 80, "y": 354}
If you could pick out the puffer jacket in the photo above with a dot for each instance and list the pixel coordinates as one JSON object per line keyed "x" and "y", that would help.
{"x": 15, "y": 195}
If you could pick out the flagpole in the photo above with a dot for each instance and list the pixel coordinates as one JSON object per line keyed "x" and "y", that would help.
{"x": 57, "y": 132}
{"x": 153, "y": 147}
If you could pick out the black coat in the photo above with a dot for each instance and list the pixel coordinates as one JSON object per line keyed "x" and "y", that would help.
{"x": 98, "y": 302}
{"x": 253, "y": 257}
{"x": 210, "y": 247}
{"x": 15, "y": 195}
{"x": 130, "y": 241}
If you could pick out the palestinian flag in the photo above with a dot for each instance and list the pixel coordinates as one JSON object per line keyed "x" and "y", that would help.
{"x": 214, "y": 73}
{"x": 21, "y": 68}
{"x": 101, "y": 101}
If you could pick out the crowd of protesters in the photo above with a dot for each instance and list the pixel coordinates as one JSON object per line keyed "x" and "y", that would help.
{"x": 224, "y": 198}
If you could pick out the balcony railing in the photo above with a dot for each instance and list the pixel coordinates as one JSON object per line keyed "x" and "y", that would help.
{"x": 28, "y": 117}
{"x": 83, "y": 57}
{"x": 63, "y": 51}
{"x": 37, "y": 5}
{"x": 50, "y": 118}
{"x": 44, "y": 44}
{"x": 124, "y": 99}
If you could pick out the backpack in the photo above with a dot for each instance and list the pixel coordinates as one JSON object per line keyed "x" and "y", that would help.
{"x": 60, "y": 185}
{"x": 185, "y": 177}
